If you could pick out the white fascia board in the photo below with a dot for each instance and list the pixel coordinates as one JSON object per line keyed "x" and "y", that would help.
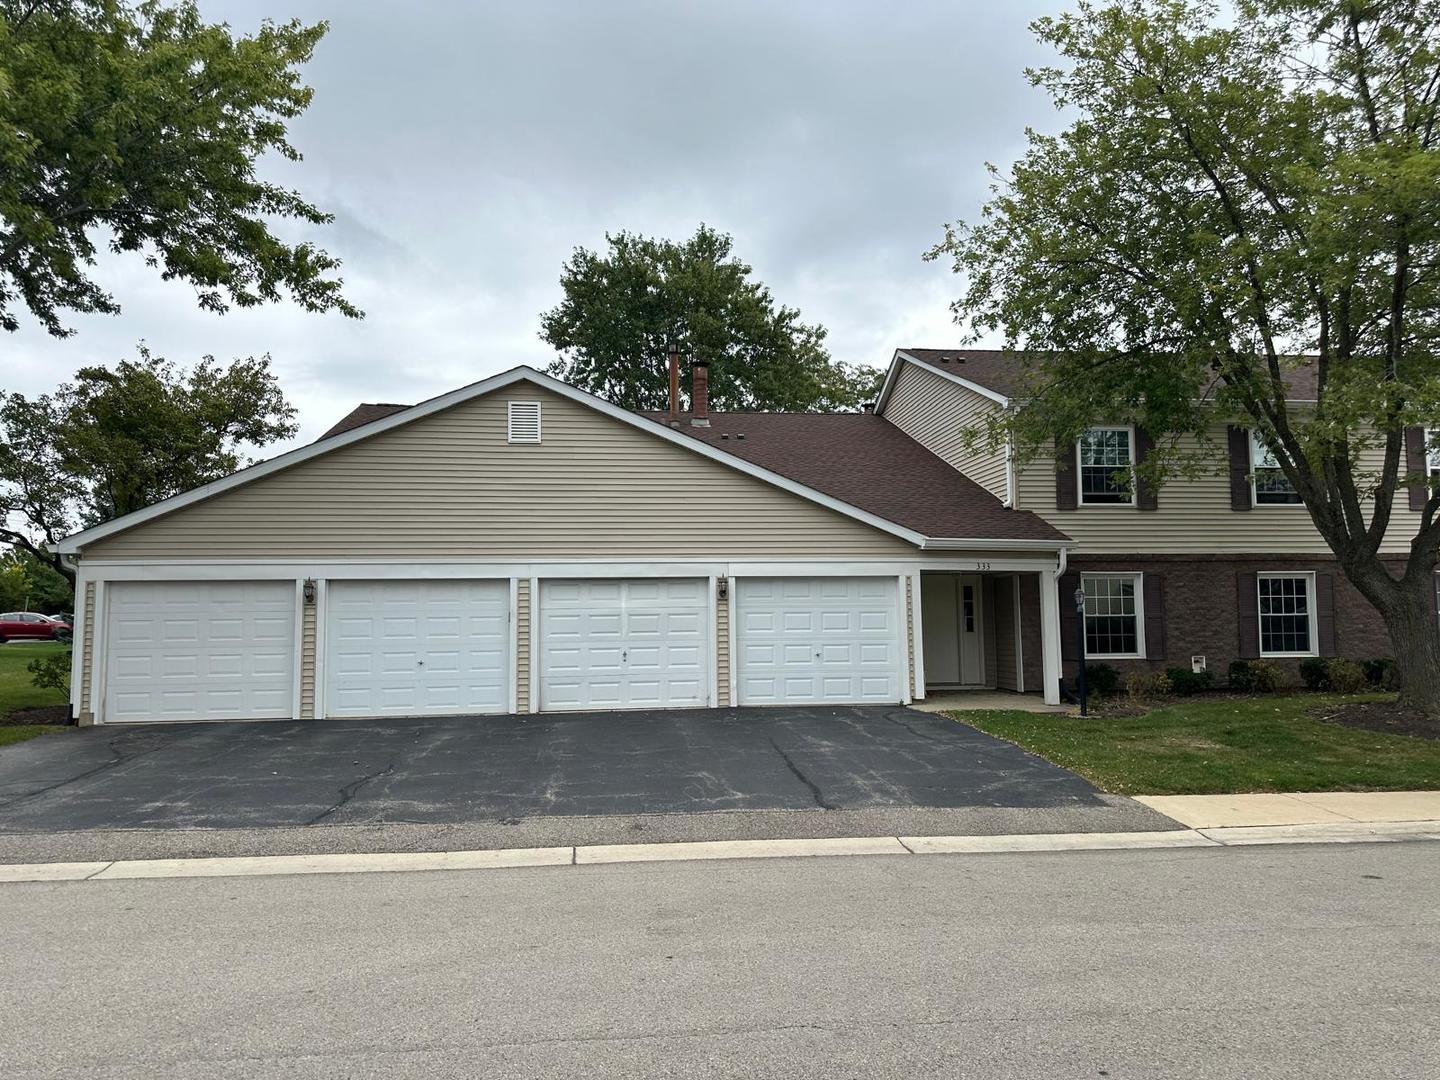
{"x": 902, "y": 357}
{"x": 72, "y": 544}
{"x": 944, "y": 543}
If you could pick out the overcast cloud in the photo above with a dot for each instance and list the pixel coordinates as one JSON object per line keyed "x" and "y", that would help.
{"x": 467, "y": 148}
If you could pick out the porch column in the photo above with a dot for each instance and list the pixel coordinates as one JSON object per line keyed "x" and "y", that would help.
{"x": 1050, "y": 637}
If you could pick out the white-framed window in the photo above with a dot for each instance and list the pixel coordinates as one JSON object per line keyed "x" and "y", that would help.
{"x": 1287, "y": 614}
{"x": 1114, "y": 616}
{"x": 524, "y": 422}
{"x": 1270, "y": 485}
{"x": 1106, "y": 459}
{"x": 1432, "y": 456}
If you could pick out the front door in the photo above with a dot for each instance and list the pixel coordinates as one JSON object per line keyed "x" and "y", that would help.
{"x": 951, "y": 616}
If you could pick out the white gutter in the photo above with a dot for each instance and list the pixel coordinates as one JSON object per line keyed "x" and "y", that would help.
{"x": 945, "y": 543}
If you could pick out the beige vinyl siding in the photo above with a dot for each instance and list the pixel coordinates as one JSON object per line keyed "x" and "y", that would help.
{"x": 722, "y": 650}
{"x": 1003, "y": 593}
{"x": 307, "y": 662}
{"x": 937, "y": 413}
{"x": 988, "y": 624}
{"x": 522, "y": 645}
{"x": 450, "y": 486}
{"x": 1194, "y": 516}
{"x": 916, "y": 690}
{"x": 87, "y": 650}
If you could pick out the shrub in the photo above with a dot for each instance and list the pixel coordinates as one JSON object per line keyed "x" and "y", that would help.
{"x": 51, "y": 672}
{"x": 1102, "y": 680}
{"x": 1185, "y": 682}
{"x": 1255, "y": 677}
{"x": 1344, "y": 676}
{"x": 1315, "y": 673}
{"x": 1380, "y": 672}
{"x": 1145, "y": 686}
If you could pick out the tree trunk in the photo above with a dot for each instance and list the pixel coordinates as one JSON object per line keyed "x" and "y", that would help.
{"x": 1415, "y": 639}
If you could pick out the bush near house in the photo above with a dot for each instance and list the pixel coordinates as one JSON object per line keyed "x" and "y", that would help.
{"x": 1187, "y": 683}
{"x": 1255, "y": 677}
{"x": 1102, "y": 680}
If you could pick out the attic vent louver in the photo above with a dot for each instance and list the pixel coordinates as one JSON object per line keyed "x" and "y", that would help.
{"x": 524, "y": 422}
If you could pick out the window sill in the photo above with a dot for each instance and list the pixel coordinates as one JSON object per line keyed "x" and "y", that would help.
{"x": 1114, "y": 656}
{"x": 1287, "y": 655}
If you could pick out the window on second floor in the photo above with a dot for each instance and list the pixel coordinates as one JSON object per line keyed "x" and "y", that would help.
{"x": 1107, "y": 466}
{"x": 1432, "y": 456}
{"x": 1272, "y": 486}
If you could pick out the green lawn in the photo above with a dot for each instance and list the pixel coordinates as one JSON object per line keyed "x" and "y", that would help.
{"x": 16, "y": 691}
{"x": 1222, "y": 745}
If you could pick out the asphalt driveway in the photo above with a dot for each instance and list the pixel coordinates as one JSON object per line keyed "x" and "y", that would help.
{"x": 503, "y": 769}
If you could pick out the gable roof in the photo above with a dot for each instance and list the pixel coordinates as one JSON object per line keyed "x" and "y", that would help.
{"x": 363, "y": 429}
{"x": 1002, "y": 373}
{"x": 867, "y": 461}
{"x": 360, "y": 416}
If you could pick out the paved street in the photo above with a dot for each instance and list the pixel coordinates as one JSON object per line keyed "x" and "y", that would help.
{"x": 1304, "y": 961}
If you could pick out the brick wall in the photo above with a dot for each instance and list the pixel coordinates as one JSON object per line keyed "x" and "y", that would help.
{"x": 1202, "y": 615}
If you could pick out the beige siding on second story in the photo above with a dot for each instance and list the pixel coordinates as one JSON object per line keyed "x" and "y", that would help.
{"x": 937, "y": 413}
{"x": 1194, "y": 517}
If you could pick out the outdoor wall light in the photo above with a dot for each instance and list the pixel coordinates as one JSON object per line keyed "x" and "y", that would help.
{"x": 309, "y": 590}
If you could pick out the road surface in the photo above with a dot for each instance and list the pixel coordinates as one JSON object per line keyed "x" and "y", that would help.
{"x": 1301, "y": 961}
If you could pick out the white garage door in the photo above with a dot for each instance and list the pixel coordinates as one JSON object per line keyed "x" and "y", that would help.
{"x": 818, "y": 640}
{"x": 625, "y": 644}
{"x": 417, "y": 648}
{"x": 199, "y": 650}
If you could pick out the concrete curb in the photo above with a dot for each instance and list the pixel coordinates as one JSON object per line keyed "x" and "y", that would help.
{"x": 513, "y": 858}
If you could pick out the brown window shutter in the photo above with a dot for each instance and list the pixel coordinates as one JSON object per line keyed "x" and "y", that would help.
{"x": 1067, "y": 477}
{"x": 1325, "y": 613}
{"x": 1239, "y": 440}
{"x": 1154, "y": 586}
{"x": 1415, "y": 463}
{"x": 1069, "y": 617}
{"x": 1248, "y": 610}
{"x": 1146, "y": 496}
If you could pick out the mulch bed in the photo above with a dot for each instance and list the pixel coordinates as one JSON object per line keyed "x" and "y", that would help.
{"x": 1385, "y": 717}
{"x": 58, "y": 715}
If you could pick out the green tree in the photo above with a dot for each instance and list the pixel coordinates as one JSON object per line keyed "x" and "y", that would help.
{"x": 138, "y": 126}
{"x": 1233, "y": 192}
{"x": 622, "y": 308}
{"x": 117, "y": 440}
{"x": 27, "y": 584}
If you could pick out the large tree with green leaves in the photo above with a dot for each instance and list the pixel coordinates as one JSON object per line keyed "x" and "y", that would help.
{"x": 1238, "y": 188}
{"x": 137, "y": 127}
{"x": 115, "y": 440}
{"x": 623, "y": 307}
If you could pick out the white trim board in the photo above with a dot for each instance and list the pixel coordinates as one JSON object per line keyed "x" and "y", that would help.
{"x": 72, "y": 544}
{"x": 902, "y": 357}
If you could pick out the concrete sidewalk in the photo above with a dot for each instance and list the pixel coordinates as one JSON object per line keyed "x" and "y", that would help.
{"x": 1296, "y": 808}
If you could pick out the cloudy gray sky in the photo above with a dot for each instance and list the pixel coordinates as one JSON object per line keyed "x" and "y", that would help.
{"x": 467, "y": 148}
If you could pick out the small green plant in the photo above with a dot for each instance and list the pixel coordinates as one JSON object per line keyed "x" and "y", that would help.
{"x": 1255, "y": 677}
{"x": 1344, "y": 677}
{"x": 51, "y": 672}
{"x": 1315, "y": 673}
{"x": 1184, "y": 682}
{"x": 1143, "y": 686}
{"x": 1380, "y": 672}
{"x": 1102, "y": 680}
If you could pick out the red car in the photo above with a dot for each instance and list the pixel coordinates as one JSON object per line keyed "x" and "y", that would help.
{"x": 22, "y": 625}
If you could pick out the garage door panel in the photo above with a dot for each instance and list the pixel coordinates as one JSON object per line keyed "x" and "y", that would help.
{"x": 199, "y": 650}
{"x": 426, "y": 648}
{"x": 827, "y": 640}
{"x": 621, "y": 643}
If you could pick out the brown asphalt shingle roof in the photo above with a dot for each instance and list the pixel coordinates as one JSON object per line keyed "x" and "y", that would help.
{"x": 870, "y": 463}
{"x": 1003, "y": 372}
{"x": 362, "y": 415}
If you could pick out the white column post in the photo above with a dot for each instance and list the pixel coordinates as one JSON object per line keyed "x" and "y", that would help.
{"x": 1050, "y": 636}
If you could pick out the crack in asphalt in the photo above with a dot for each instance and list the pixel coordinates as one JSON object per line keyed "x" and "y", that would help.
{"x": 814, "y": 791}
{"x": 118, "y": 758}
{"x": 349, "y": 791}
{"x": 895, "y": 718}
